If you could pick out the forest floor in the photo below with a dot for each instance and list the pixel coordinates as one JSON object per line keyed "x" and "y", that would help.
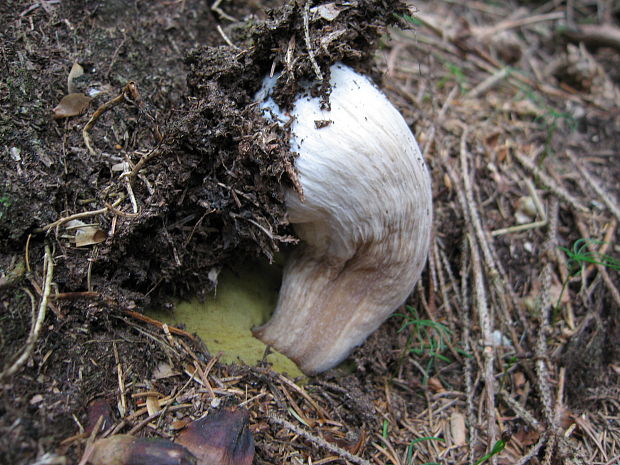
{"x": 142, "y": 191}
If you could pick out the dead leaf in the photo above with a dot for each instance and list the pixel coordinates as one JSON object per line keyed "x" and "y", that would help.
{"x": 122, "y": 449}
{"x": 177, "y": 425}
{"x": 97, "y": 408}
{"x": 526, "y": 437}
{"x": 457, "y": 429}
{"x": 71, "y": 105}
{"x": 152, "y": 405}
{"x": 435, "y": 384}
{"x": 89, "y": 235}
{"x": 222, "y": 437}
{"x": 519, "y": 379}
{"x": 85, "y": 234}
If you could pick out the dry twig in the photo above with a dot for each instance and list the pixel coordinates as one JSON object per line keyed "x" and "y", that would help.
{"x": 317, "y": 441}
{"x": 558, "y": 190}
{"x": 315, "y": 65}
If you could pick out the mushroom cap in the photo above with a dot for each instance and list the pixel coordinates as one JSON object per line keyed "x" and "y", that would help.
{"x": 365, "y": 221}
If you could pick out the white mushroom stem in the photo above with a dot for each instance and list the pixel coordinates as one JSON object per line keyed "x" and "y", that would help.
{"x": 365, "y": 222}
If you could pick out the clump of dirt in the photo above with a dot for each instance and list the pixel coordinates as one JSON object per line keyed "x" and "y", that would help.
{"x": 212, "y": 186}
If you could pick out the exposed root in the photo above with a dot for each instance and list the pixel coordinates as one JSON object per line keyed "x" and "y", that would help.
{"x": 37, "y": 321}
{"x": 81, "y": 215}
{"x": 129, "y": 93}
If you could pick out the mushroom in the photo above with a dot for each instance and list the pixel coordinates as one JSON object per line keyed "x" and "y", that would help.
{"x": 364, "y": 220}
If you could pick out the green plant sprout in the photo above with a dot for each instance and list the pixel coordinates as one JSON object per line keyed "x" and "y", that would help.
{"x": 412, "y": 20}
{"x": 497, "y": 447}
{"x": 409, "y": 460}
{"x": 579, "y": 255}
{"x": 426, "y": 337}
{"x": 385, "y": 431}
{"x": 423, "y": 331}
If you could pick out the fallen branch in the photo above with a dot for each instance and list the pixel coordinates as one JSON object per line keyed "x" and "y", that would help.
{"x": 495, "y": 271}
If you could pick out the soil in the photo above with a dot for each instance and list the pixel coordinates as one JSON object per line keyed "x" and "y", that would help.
{"x": 178, "y": 175}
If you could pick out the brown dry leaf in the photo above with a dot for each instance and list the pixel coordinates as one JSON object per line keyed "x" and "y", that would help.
{"x": 340, "y": 439}
{"x": 97, "y": 408}
{"x": 222, "y": 437}
{"x": 83, "y": 234}
{"x": 435, "y": 384}
{"x": 457, "y": 429}
{"x": 492, "y": 140}
{"x": 526, "y": 437}
{"x": 519, "y": 379}
{"x": 71, "y": 105}
{"x": 177, "y": 425}
{"x": 123, "y": 449}
{"x": 89, "y": 235}
{"x": 502, "y": 153}
{"x": 152, "y": 405}
{"x": 566, "y": 417}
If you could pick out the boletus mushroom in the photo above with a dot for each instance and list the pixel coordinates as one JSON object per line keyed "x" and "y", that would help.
{"x": 364, "y": 220}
